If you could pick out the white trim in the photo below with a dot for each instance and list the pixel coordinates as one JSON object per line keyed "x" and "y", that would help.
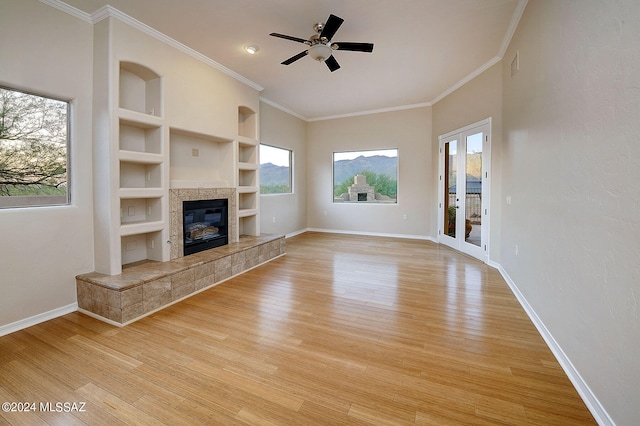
{"x": 373, "y": 111}
{"x": 111, "y": 12}
{"x": 283, "y": 109}
{"x": 466, "y": 128}
{"x": 593, "y": 404}
{"x": 515, "y": 21}
{"x": 70, "y": 10}
{"x": 372, "y": 234}
{"x": 37, "y": 319}
{"x": 294, "y": 233}
{"x": 467, "y": 79}
{"x": 479, "y": 252}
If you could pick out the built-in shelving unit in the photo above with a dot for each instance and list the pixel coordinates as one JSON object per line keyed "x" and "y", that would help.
{"x": 248, "y": 175}
{"x": 141, "y": 155}
{"x": 142, "y": 190}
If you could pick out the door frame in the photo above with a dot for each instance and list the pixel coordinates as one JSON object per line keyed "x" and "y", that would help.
{"x": 459, "y": 243}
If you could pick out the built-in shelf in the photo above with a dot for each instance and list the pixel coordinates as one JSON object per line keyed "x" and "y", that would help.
{"x": 140, "y": 210}
{"x": 139, "y": 119}
{"x": 247, "y": 166}
{"x": 248, "y": 223}
{"x": 140, "y": 157}
{"x": 247, "y": 200}
{"x": 124, "y": 193}
{"x": 140, "y": 228}
{"x": 247, "y": 123}
{"x": 140, "y": 137}
{"x": 248, "y": 176}
{"x": 198, "y": 157}
{"x": 141, "y": 246}
{"x": 140, "y": 175}
{"x": 247, "y": 212}
{"x": 247, "y": 189}
{"x": 140, "y": 89}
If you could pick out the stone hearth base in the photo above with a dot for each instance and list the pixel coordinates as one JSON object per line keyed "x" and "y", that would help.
{"x": 150, "y": 286}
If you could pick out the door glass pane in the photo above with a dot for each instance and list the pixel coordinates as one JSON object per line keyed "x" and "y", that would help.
{"x": 450, "y": 174}
{"x": 473, "y": 196}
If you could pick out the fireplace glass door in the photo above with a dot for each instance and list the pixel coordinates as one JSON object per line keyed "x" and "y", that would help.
{"x": 204, "y": 225}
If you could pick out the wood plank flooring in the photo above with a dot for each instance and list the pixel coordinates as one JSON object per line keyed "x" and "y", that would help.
{"x": 342, "y": 330}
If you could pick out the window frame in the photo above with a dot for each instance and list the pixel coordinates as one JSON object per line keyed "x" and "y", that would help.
{"x": 391, "y": 202}
{"x": 8, "y": 202}
{"x": 290, "y": 167}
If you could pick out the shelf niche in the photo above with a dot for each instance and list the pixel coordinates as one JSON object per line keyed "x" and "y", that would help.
{"x": 140, "y": 175}
{"x": 247, "y": 123}
{"x": 247, "y": 201}
{"x": 139, "y": 247}
{"x": 140, "y": 210}
{"x": 204, "y": 159}
{"x": 140, "y": 89}
{"x": 139, "y": 137}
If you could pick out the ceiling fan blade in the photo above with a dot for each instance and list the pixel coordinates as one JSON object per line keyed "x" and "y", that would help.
{"x": 354, "y": 47}
{"x": 330, "y": 28}
{"x": 294, "y": 58}
{"x": 332, "y": 64}
{"x": 286, "y": 37}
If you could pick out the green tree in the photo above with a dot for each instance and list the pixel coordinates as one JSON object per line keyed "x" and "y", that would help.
{"x": 275, "y": 189}
{"x": 33, "y": 144}
{"x": 382, "y": 183}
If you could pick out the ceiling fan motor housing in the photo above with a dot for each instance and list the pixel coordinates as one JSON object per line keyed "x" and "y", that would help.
{"x": 320, "y": 45}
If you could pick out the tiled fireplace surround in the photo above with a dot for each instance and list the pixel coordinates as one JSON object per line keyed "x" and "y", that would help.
{"x": 150, "y": 286}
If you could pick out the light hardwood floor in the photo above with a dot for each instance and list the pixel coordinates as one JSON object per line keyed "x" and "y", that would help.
{"x": 341, "y": 330}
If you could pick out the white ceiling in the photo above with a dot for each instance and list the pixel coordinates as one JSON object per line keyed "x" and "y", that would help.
{"x": 423, "y": 48}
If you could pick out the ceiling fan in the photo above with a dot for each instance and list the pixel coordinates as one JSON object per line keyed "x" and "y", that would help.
{"x": 320, "y": 45}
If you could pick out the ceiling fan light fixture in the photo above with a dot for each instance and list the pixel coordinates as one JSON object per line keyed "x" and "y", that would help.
{"x": 320, "y": 52}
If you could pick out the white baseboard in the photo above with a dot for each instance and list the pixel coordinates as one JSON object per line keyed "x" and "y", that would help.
{"x": 294, "y": 233}
{"x": 593, "y": 404}
{"x": 373, "y": 234}
{"x": 37, "y": 319}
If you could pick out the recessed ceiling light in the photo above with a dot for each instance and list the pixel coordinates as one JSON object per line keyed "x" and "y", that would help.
{"x": 251, "y": 49}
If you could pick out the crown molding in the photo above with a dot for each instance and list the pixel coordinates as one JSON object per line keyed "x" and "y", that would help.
{"x": 515, "y": 21}
{"x": 467, "y": 79}
{"x": 283, "y": 109}
{"x": 70, "y": 10}
{"x": 111, "y": 12}
{"x": 372, "y": 111}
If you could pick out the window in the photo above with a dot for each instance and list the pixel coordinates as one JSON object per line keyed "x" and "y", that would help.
{"x": 365, "y": 176}
{"x": 275, "y": 170}
{"x": 34, "y": 141}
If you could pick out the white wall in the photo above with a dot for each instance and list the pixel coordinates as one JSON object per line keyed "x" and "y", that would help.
{"x": 408, "y": 130}
{"x": 42, "y": 249}
{"x": 477, "y": 100}
{"x": 283, "y": 130}
{"x": 571, "y": 163}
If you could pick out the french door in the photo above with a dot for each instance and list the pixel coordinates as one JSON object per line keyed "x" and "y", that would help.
{"x": 463, "y": 206}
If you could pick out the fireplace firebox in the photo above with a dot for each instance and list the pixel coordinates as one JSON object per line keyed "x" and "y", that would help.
{"x": 205, "y": 224}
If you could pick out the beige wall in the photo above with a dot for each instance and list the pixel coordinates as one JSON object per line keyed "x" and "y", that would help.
{"x": 478, "y": 99}
{"x": 42, "y": 249}
{"x": 283, "y": 130}
{"x": 571, "y": 163}
{"x": 409, "y": 131}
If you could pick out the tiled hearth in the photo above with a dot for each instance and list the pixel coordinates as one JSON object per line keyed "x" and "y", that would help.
{"x": 150, "y": 286}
